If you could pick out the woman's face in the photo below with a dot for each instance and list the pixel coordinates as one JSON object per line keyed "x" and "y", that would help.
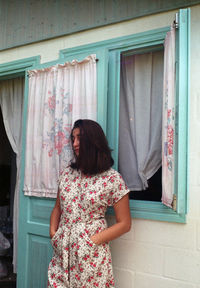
{"x": 76, "y": 140}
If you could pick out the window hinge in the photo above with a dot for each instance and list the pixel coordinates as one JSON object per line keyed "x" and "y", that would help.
{"x": 174, "y": 203}
{"x": 176, "y": 21}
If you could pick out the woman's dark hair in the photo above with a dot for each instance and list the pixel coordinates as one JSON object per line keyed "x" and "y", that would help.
{"x": 94, "y": 153}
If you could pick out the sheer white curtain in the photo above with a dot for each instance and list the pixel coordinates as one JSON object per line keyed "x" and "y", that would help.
{"x": 168, "y": 119}
{"x": 11, "y": 101}
{"x": 58, "y": 96}
{"x": 140, "y": 118}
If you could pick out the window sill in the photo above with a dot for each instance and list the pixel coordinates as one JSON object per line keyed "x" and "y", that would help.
{"x": 152, "y": 211}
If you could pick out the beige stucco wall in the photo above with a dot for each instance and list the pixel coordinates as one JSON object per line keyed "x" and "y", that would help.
{"x": 153, "y": 254}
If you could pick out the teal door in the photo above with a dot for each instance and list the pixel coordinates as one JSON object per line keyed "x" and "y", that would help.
{"x": 34, "y": 248}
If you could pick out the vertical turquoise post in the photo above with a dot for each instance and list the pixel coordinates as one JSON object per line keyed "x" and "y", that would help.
{"x": 182, "y": 111}
{"x": 102, "y": 87}
{"x": 22, "y": 237}
{"x": 113, "y": 103}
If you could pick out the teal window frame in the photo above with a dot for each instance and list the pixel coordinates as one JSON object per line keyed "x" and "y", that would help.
{"x": 108, "y": 52}
{"x": 148, "y": 41}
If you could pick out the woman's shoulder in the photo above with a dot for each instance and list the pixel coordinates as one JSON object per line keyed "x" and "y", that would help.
{"x": 112, "y": 173}
{"x": 68, "y": 171}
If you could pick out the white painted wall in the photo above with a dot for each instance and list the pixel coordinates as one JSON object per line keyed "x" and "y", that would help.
{"x": 49, "y": 49}
{"x": 153, "y": 254}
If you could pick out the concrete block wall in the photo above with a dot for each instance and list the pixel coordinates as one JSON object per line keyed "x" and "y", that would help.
{"x": 153, "y": 254}
{"x": 158, "y": 255}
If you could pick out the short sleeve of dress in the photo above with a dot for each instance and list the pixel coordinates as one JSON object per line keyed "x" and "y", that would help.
{"x": 119, "y": 189}
{"x": 60, "y": 178}
{"x": 62, "y": 174}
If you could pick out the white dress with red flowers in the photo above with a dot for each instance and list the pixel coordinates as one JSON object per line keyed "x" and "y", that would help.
{"x": 77, "y": 261}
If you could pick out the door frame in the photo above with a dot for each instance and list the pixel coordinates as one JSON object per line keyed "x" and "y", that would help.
{"x": 10, "y": 70}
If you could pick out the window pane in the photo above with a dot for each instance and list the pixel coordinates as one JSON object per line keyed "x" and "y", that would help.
{"x": 140, "y": 126}
{"x": 154, "y": 190}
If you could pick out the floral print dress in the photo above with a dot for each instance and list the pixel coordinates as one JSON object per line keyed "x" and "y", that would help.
{"x": 77, "y": 261}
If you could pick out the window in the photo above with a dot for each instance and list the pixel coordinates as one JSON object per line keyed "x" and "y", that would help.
{"x": 148, "y": 41}
{"x": 140, "y": 122}
{"x": 109, "y": 53}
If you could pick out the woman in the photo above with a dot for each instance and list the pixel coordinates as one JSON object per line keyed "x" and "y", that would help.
{"x": 78, "y": 228}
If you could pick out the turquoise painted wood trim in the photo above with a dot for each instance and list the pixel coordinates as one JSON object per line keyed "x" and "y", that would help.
{"x": 159, "y": 46}
{"x": 143, "y": 38}
{"x": 42, "y": 229}
{"x": 176, "y": 112}
{"x": 18, "y": 67}
{"x": 22, "y": 233}
{"x": 182, "y": 113}
{"x": 113, "y": 104}
{"x": 188, "y": 113}
{"x": 102, "y": 87}
{"x": 152, "y": 211}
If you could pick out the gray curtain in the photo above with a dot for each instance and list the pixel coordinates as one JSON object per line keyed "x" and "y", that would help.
{"x": 140, "y": 127}
{"x": 11, "y": 102}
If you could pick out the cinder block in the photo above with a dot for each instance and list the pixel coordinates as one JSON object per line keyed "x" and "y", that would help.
{"x": 182, "y": 265}
{"x": 198, "y": 236}
{"x": 166, "y": 234}
{"x": 194, "y": 202}
{"x": 127, "y": 236}
{"x": 123, "y": 278}
{"x": 135, "y": 256}
{"x": 151, "y": 281}
{"x": 194, "y": 138}
{"x": 194, "y": 169}
{"x": 194, "y": 106}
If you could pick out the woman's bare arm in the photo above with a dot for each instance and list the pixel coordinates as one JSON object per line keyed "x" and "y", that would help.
{"x": 123, "y": 225}
{"x": 55, "y": 217}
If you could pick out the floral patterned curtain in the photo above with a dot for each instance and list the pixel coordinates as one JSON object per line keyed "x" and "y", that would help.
{"x": 168, "y": 126}
{"x": 58, "y": 96}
